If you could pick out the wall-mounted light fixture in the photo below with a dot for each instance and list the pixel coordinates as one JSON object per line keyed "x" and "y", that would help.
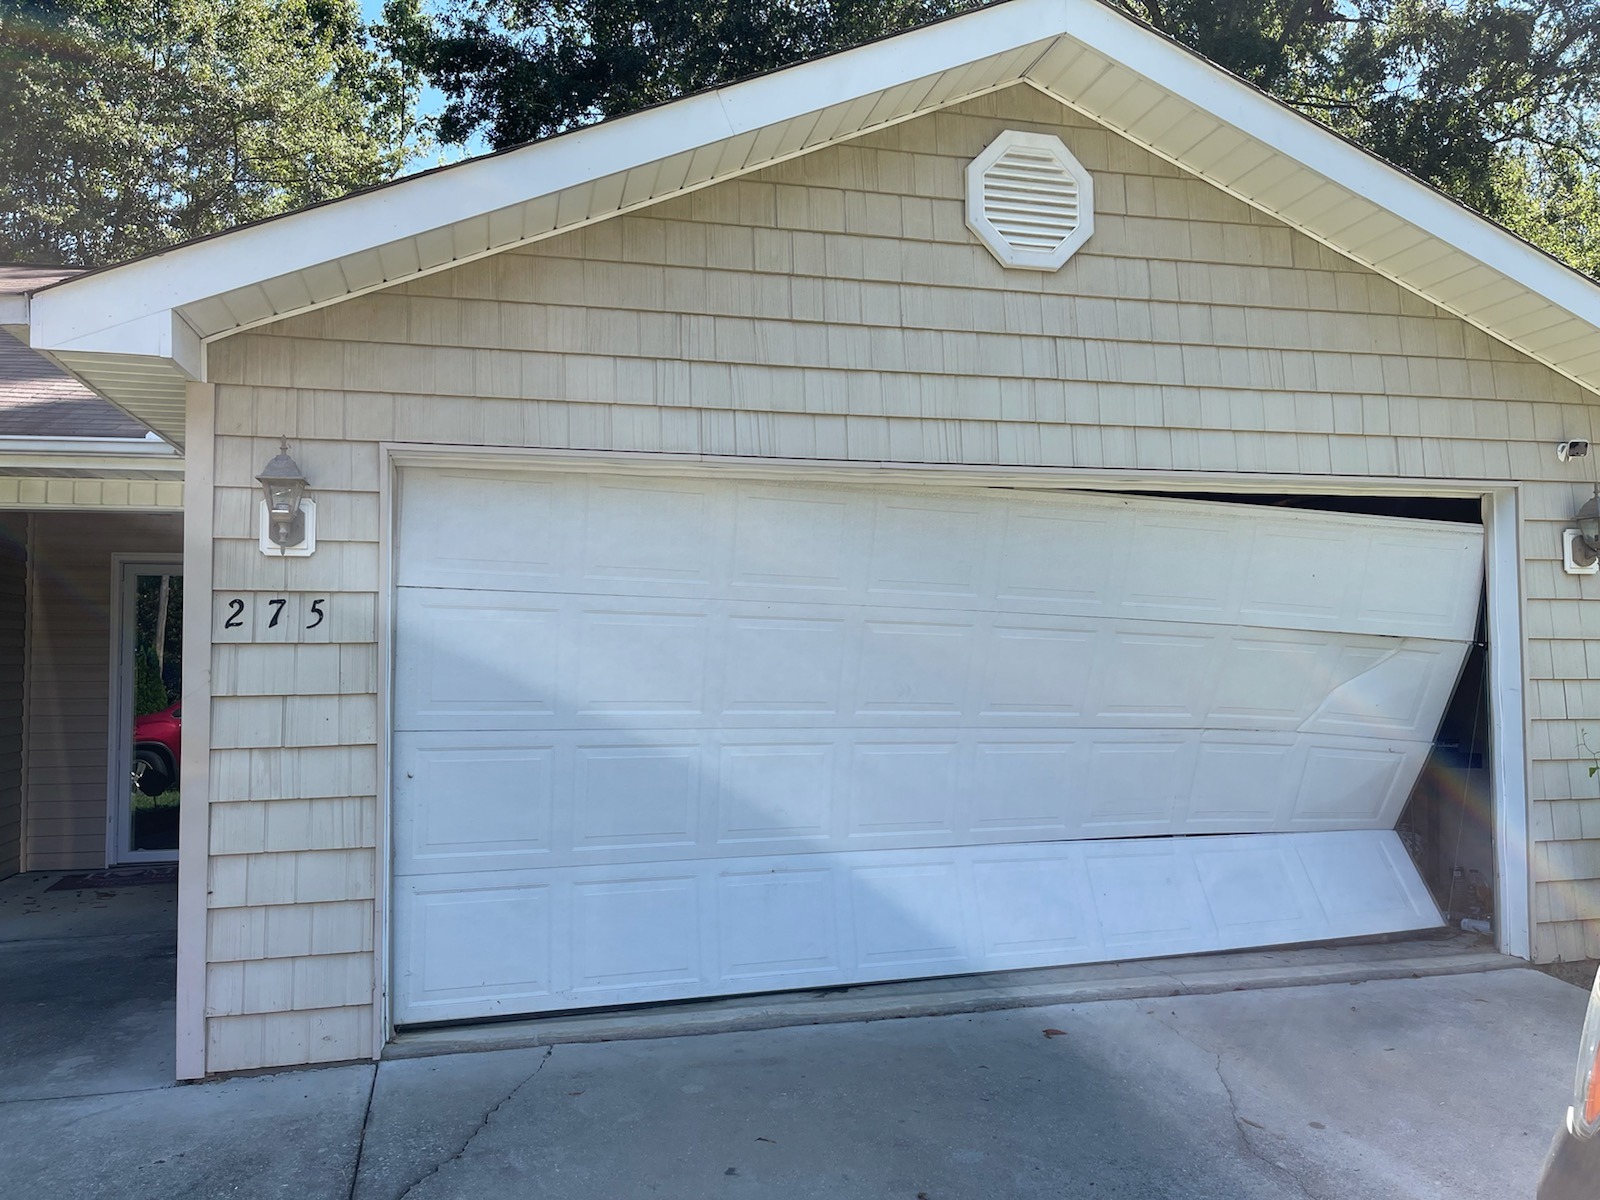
{"x": 288, "y": 516}
{"x": 1580, "y": 547}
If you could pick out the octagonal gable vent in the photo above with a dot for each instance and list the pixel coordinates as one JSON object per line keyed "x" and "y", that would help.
{"x": 1029, "y": 201}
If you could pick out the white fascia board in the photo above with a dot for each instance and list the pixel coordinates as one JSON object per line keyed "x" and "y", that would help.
{"x": 1302, "y": 140}
{"x": 123, "y": 302}
{"x": 136, "y": 309}
{"x": 161, "y": 334}
{"x": 148, "y": 447}
{"x": 112, "y": 457}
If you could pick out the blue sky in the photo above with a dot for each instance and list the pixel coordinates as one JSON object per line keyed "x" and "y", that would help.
{"x": 432, "y": 101}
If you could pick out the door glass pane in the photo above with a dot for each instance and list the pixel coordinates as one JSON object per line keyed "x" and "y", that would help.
{"x": 157, "y": 664}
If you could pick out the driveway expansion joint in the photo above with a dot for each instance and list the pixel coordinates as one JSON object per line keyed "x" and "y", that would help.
{"x": 361, "y": 1139}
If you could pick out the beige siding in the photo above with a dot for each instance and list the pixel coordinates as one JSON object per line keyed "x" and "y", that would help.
{"x": 836, "y": 307}
{"x": 69, "y": 676}
{"x": 13, "y": 591}
{"x": 32, "y": 492}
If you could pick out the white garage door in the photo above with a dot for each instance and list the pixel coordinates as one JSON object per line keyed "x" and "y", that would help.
{"x": 661, "y": 737}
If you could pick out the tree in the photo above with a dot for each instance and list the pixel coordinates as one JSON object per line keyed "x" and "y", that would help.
{"x": 129, "y": 125}
{"x": 1493, "y": 101}
{"x": 518, "y": 70}
{"x": 1496, "y": 102}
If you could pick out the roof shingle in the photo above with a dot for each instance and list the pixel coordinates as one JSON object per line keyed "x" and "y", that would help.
{"x": 38, "y": 399}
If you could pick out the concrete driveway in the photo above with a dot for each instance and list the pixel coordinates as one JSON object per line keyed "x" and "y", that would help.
{"x": 1433, "y": 1087}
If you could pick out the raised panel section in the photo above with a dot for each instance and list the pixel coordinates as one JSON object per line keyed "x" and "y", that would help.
{"x": 636, "y": 797}
{"x": 1032, "y": 911}
{"x": 783, "y": 665}
{"x": 464, "y": 660}
{"x": 639, "y": 663}
{"x": 775, "y": 791}
{"x": 913, "y": 669}
{"x": 521, "y": 536}
{"x": 792, "y": 540}
{"x": 927, "y": 549}
{"x": 471, "y": 801}
{"x": 777, "y": 927}
{"x": 1024, "y": 788}
{"x": 568, "y": 937}
{"x": 901, "y": 788}
{"x": 1133, "y": 781}
{"x": 636, "y": 533}
{"x": 635, "y": 935}
{"x": 471, "y": 944}
{"x": 1350, "y": 785}
{"x": 1035, "y": 671}
{"x": 908, "y": 915}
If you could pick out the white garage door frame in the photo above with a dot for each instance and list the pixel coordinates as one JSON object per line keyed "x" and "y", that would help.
{"x": 1500, "y": 501}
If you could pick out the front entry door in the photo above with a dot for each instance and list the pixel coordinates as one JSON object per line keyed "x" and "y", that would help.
{"x": 147, "y": 712}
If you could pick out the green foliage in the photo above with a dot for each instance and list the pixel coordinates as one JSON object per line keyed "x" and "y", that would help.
{"x": 149, "y": 693}
{"x": 517, "y": 70}
{"x": 129, "y": 125}
{"x": 1496, "y": 102}
{"x": 157, "y": 673}
{"x": 1493, "y": 101}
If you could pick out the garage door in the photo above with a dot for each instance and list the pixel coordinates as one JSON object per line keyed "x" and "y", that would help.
{"x": 659, "y": 737}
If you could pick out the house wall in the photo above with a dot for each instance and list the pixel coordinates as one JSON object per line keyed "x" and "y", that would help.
{"x": 69, "y": 677}
{"x": 13, "y": 590}
{"x": 832, "y": 307}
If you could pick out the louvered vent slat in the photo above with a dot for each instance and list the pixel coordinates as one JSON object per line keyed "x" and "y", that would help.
{"x": 1029, "y": 200}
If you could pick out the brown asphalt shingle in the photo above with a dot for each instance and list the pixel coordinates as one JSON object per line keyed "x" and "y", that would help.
{"x": 17, "y": 278}
{"x": 38, "y": 399}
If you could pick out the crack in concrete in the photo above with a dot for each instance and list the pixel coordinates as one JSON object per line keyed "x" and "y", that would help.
{"x": 136, "y": 1091}
{"x": 472, "y": 1137}
{"x": 1241, "y": 1124}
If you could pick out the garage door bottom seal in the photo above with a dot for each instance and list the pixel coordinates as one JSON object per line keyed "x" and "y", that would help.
{"x": 1425, "y": 955}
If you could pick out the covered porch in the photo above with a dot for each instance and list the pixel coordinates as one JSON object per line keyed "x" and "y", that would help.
{"x": 91, "y": 545}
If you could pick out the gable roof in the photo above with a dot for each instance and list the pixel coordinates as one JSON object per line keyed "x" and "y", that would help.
{"x": 138, "y": 331}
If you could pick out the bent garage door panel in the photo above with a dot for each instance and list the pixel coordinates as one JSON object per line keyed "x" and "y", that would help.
{"x": 661, "y": 737}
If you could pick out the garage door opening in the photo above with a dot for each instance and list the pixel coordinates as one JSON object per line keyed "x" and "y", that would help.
{"x": 1447, "y": 825}
{"x": 666, "y": 736}
{"x": 1448, "y": 822}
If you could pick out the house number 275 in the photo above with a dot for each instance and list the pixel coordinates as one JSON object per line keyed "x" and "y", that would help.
{"x": 313, "y": 614}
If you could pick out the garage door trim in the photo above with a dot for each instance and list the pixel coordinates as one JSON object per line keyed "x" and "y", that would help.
{"x": 1503, "y": 590}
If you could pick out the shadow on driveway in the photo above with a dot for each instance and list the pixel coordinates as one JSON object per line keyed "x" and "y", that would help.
{"x": 1444, "y": 1087}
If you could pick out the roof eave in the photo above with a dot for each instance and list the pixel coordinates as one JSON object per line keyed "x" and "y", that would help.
{"x": 149, "y": 320}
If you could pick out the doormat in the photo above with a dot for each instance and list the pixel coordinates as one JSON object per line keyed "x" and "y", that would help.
{"x": 115, "y": 877}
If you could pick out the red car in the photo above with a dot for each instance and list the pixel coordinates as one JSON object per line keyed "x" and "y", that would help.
{"x": 157, "y": 738}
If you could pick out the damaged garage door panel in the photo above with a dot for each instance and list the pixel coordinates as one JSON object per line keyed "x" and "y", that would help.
{"x": 634, "y": 712}
{"x": 990, "y": 549}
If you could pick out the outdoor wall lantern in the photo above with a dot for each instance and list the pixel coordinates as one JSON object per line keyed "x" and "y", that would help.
{"x": 288, "y": 516}
{"x": 1581, "y": 546}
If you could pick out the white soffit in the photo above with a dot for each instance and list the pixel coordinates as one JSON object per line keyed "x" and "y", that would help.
{"x": 1081, "y": 52}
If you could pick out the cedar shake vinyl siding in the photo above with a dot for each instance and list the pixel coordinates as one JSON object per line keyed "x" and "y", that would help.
{"x": 69, "y": 676}
{"x": 13, "y": 616}
{"x": 833, "y": 307}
